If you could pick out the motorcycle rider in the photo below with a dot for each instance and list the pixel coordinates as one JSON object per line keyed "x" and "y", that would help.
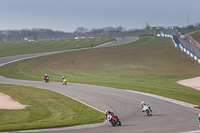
{"x": 63, "y": 81}
{"x": 112, "y": 114}
{"x": 77, "y": 46}
{"x": 198, "y": 119}
{"x": 145, "y": 104}
{"x": 62, "y": 78}
{"x": 45, "y": 76}
{"x": 109, "y": 113}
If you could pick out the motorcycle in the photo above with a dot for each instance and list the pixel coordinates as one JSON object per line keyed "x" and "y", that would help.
{"x": 46, "y": 79}
{"x": 147, "y": 110}
{"x": 64, "y": 82}
{"x": 114, "y": 120}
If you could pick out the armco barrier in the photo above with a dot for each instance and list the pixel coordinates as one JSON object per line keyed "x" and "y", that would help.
{"x": 171, "y": 36}
{"x": 181, "y": 47}
{"x": 83, "y": 37}
{"x": 190, "y": 54}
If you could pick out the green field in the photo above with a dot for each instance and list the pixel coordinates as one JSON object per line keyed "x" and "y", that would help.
{"x": 196, "y": 36}
{"x": 187, "y": 30}
{"x": 45, "y": 109}
{"x": 151, "y": 64}
{"x": 19, "y": 48}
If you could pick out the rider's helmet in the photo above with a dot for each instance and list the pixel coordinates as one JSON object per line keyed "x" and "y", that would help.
{"x": 45, "y": 74}
{"x": 106, "y": 111}
{"x": 199, "y": 115}
{"x": 142, "y": 103}
{"x": 63, "y": 77}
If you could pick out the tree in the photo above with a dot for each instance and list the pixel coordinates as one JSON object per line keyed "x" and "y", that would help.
{"x": 197, "y": 24}
{"x": 120, "y": 29}
{"x": 81, "y": 30}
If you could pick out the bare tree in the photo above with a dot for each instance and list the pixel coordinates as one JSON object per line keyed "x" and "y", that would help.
{"x": 197, "y": 24}
{"x": 81, "y": 30}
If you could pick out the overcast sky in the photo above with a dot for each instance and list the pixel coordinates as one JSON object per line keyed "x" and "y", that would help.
{"x": 67, "y": 15}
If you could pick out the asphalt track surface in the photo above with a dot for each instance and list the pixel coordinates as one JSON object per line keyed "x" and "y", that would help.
{"x": 167, "y": 117}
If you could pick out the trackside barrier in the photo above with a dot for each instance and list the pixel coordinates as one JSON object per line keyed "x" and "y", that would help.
{"x": 83, "y": 37}
{"x": 167, "y": 35}
{"x": 181, "y": 47}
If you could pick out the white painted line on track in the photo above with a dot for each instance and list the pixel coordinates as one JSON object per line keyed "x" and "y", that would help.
{"x": 197, "y": 131}
{"x": 17, "y": 60}
{"x": 50, "y": 53}
{"x": 165, "y": 99}
{"x": 62, "y": 129}
{"x": 83, "y": 102}
{"x": 103, "y": 44}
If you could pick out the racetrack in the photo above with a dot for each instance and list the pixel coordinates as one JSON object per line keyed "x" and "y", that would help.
{"x": 167, "y": 117}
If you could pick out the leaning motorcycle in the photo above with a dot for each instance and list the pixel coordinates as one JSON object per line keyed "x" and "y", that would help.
{"x": 46, "y": 79}
{"x": 114, "y": 120}
{"x": 147, "y": 110}
{"x": 64, "y": 82}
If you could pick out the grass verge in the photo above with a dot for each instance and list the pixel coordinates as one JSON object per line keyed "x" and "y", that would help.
{"x": 196, "y": 36}
{"x": 187, "y": 30}
{"x": 151, "y": 64}
{"x": 19, "y": 48}
{"x": 46, "y": 109}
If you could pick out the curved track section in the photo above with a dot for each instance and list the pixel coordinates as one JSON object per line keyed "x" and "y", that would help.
{"x": 167, "y": 117}
{"x": 10, "y": 59}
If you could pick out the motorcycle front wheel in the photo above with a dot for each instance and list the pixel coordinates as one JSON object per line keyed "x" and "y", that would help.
{"x": 119, "y": 123}
{"x": 113, "y": 123}
{"x": 148, "y": 113}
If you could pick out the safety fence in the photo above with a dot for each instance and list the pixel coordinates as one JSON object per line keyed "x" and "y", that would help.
{"x": 190, "y": 47}
{"x": 177, "y": 43}
{"x": 83, "y": 37}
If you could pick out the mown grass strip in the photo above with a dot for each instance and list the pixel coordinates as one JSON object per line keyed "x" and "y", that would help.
{"x": 19, "y": 48}
{"x": 46, "y": 109}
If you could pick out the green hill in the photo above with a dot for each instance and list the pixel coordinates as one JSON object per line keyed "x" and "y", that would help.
{"x": 19, "y": 48}
{"x": 151, "y": 64}
{"x": 196, "y": 36}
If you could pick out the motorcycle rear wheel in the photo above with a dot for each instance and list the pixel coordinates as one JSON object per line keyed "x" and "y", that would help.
{"x": 113, "y": 123}
{"x": 119, "y": 123}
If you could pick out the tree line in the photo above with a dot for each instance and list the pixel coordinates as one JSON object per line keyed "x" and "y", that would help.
{"x": 48, "y": 34}
{"x": 32, "y": 35}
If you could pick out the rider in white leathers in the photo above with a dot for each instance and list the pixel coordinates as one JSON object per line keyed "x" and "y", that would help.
{"x": 145, "y": 104}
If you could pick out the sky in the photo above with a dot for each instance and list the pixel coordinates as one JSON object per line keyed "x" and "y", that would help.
{"x": 67, "y": 15}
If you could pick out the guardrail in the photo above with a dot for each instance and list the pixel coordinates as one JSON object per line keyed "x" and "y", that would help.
{"x": 192, "y": 48}
{"x": 176, "y": 44}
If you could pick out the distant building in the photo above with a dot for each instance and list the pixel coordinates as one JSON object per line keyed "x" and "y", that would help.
{"x": 25, "y": 38}
{"x": 132, "y": 30}
{"x": 145, "y": 26}
{"x": 172, "y": 27}
{"x": 159, "y": 27}
{"x": 30, "y": 38}
{"x": 83, "y": 37}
